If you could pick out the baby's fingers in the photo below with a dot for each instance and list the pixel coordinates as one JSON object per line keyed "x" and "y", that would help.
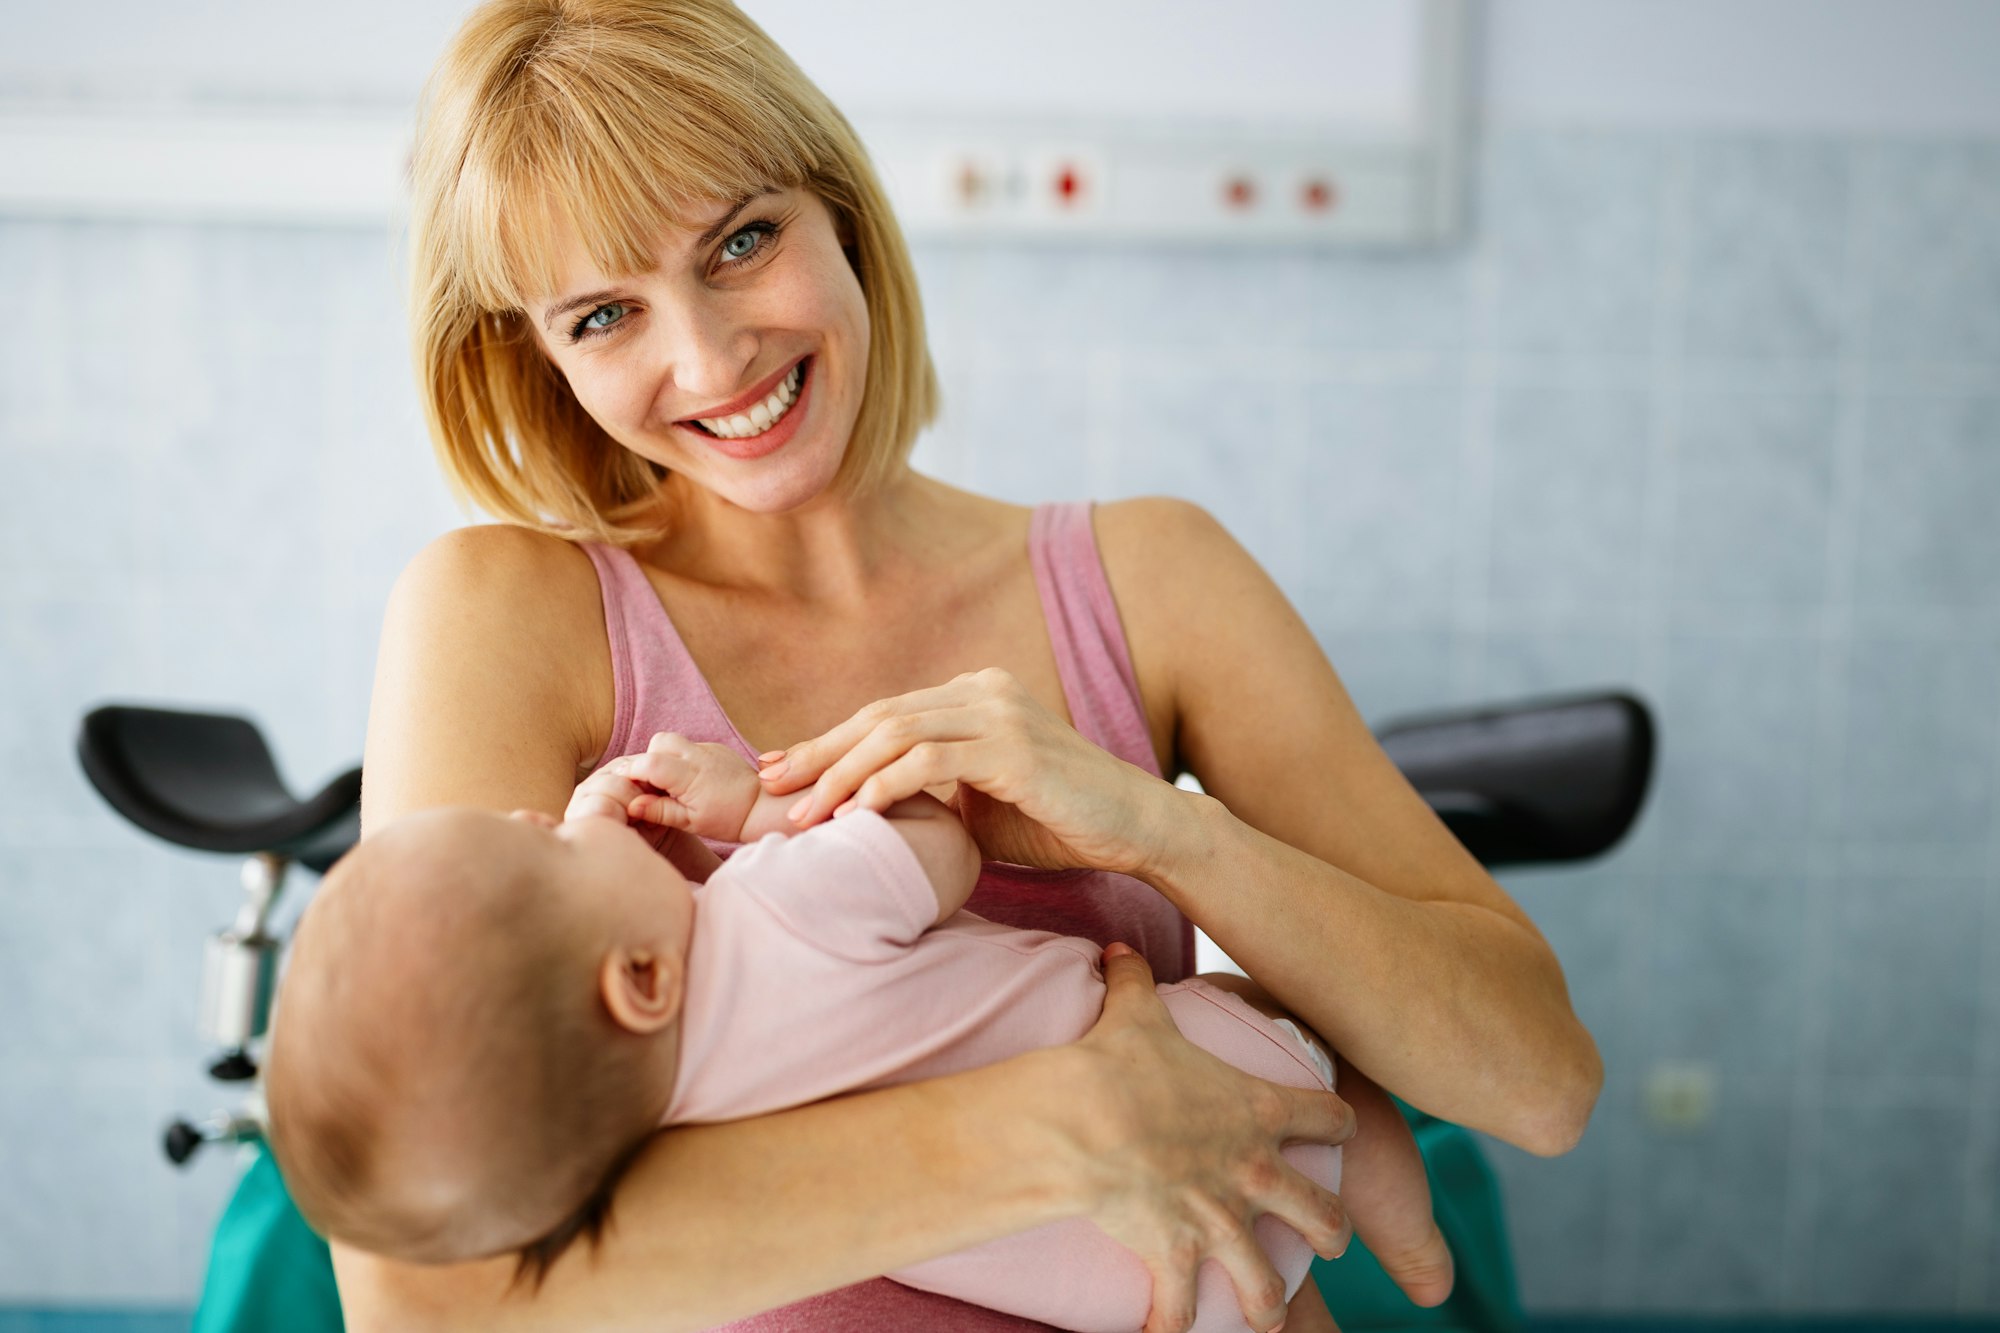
{"x": 665, "y": 769}
{"x": 595, "y": 802}
{"x": 656, "y": 809}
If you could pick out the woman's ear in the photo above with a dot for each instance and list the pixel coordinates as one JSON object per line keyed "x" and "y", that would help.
{"x": 641, "y": 988}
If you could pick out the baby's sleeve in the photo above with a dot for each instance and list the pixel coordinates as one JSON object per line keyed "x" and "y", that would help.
{"x": 850, "y": 886}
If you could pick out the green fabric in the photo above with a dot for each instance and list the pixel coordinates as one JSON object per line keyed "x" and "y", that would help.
{"x": 268, "y": 1273}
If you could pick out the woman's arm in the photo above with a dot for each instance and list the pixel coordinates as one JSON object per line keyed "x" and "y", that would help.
{"x": 1315, "y": 865}
{"x": 491, "y": 687}
{"x": 1312, "y": 862}
{"x": 716, "y": 1222}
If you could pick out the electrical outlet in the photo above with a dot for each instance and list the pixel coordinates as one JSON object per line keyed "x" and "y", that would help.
{"x": 1679, "y": 1095}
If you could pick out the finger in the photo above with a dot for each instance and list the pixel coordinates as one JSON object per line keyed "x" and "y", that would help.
{"x": 614, "y": 787}
{"x": 1128, "y": 986}
{"x": 888, "y": 741}
{"x": 804, "y": 762}
{"x": 1302, "y": 1204}
{"x": 542, "y": 818}
{"x": 665, "y": 769}
{"x": 1260, "y": 1292}
{"x": 1173, "y": 1294}
{"x": 591, "y": 804}
{"x": 669, "y": 742}
{"x": 1312, "y": 1116}
{"x": 924, "y": 765}
{"x": 658, "y": 810}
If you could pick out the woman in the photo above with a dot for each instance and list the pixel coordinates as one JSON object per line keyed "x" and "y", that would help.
{"x": 667, "y": 329}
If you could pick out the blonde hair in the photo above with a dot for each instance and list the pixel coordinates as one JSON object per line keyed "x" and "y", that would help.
{"x": 615, "y": 118}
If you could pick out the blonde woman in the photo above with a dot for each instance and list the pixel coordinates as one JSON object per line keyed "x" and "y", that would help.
{"x": 668, "y": 332}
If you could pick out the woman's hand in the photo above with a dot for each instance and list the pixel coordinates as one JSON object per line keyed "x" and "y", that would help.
{"x": 1031, "y": 789}
{"x": 1186, "y": 1154}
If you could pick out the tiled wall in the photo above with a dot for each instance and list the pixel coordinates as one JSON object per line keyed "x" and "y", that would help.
{"x": 1717, "y": 420}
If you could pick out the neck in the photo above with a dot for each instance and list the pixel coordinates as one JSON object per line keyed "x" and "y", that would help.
{"x": 662, "y": 1071}
{"x": 832, "y": 549}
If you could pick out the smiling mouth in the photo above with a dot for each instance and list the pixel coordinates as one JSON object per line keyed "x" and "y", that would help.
{"x": 759, "y": 417}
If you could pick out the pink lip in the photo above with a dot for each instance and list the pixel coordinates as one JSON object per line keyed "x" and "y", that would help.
{"x": 747, "y": 400}
{"x": 756, "y": 446}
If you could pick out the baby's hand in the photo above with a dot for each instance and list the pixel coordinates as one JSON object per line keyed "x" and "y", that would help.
{"x": 707, "y": 790}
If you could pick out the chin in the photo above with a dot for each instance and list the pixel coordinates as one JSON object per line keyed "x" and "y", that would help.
{"x": 780, "y": 486}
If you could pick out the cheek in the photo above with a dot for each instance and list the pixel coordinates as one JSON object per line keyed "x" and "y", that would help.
{"x": 608, "y": 391}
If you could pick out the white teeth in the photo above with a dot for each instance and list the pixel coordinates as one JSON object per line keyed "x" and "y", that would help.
{"x": 763, "y": 416}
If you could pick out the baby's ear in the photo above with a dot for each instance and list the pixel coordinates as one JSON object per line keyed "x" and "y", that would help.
{"x": 641, "y": 988}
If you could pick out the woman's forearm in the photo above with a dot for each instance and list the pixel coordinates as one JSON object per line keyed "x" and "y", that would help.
{"x": 715, "y": 1222}
{"x": 1451, "y": 1006}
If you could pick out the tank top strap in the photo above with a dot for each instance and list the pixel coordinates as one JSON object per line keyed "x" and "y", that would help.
{"x": 1091, "y": 655}
{"x": 655, "y": 681}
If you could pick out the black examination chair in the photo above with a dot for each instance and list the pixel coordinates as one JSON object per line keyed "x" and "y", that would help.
{"x": 1546, "y": 781}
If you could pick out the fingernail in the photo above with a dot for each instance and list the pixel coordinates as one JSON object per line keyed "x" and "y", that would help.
{"x": 1117, "y": 949}
{"x": 769, "y": 755}
{"x": 843, "y": 807}
{"x": 799, "y": 807}
{"x": 776, "y": 770}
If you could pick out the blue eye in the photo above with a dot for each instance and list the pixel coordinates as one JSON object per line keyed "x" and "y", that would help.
{"x": 598, "y": 320}
{"x": 749, "y": 244}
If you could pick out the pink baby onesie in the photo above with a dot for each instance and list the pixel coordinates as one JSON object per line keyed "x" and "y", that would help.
{"x": 658, "y": 686}
{"x": 814, "y": 970}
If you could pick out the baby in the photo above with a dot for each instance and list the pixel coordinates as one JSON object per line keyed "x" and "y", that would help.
{"x": 484, "y": 1017}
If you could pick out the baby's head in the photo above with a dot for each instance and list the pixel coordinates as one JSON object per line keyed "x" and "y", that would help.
{"x": 478, "y": 1025}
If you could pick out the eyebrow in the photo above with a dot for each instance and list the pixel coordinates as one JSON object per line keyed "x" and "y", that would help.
{"x": 595, "y": 298}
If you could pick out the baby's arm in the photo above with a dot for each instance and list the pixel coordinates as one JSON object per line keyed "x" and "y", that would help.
{"x": 712, "y": 791}
{"x": 945, "y": 849}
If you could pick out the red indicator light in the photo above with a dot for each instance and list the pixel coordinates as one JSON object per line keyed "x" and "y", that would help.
{"x": 1069, "y": 185}
{"x": 1318, "y": 196}
{"x": 1240, "y": 192}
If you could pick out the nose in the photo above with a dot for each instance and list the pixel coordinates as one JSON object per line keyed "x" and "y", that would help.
{"x": 707, "y": 352}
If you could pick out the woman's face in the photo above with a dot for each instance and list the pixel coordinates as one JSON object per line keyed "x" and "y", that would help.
{"x": 738, "y": 362}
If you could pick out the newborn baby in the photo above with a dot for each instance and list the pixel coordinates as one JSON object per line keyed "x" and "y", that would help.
{"x": 485, "y": 1016}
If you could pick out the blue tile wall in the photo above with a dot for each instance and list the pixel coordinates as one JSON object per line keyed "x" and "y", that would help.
{"x": 1933, "y": 276}
{"x": 1766, "y": 247}
{"x": 1715, "y": 1206}
{"x": 1714, "y": 418}
{"x": 1753, "y": 501}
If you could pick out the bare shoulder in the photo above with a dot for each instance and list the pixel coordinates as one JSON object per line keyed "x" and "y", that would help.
{"x": 494, "y": 648}
{"x": 492, "y": 565}
{"x": 1259, "y": 714}
{"x": 1154, "y": 543}
{"x": 1184, "y": 586}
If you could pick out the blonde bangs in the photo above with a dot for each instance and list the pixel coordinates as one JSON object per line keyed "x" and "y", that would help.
{"x": 609, "y": 121}
{"x": 600, "y": 138}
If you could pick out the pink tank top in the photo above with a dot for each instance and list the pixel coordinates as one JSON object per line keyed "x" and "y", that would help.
{"x": 657, "y": 687}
